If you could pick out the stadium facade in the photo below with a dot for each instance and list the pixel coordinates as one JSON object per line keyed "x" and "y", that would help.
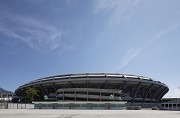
{"x": 99, "y": 87}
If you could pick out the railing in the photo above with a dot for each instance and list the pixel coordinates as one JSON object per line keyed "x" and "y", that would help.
{"x": 80, "y": 105}
{"x": 6, "y": 105}
{"x": 3, "y": 105}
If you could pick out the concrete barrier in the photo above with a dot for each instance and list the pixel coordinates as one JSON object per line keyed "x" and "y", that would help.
{"x": 133, "y": 107}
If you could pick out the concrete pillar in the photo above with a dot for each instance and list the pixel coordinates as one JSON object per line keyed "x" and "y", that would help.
{"x": 172, "y": 107}
{"x": 113, "y": 95}
{"x": 87, "y": 95}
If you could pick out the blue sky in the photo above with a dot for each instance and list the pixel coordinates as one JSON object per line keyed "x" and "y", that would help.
{"x": 40, "y": 38}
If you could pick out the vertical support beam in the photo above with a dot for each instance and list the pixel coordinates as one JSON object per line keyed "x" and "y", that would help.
{"x": 149, "y": 89}
{"x": 137, "y": 89}
{"x": 160, "y": 94}
{"x": 124, "y": 84}
{"x": 106, "y": 85}
{"x": 69, "y": 82}
{"x": 131, "y": 93}
{"x": 87, "y": 84}
{"x": 63, "y": 94}
{"x": 75, "y": 95}
{"x": 113, "y": 96}
{"x": 55, "y": 89}
{"x": 54, "y": 85}
{"x": 42, "y": 89}
{"x": 87, "y": 95}
{"x": 168, "y": 106}
{"x": 100, "y": 95}
{"x": 150, "y": 93}
{"x": 156, "y": 92}
{"x": 123, "y": 87}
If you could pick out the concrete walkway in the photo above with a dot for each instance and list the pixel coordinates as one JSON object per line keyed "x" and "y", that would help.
{"x": 34, "y": 113}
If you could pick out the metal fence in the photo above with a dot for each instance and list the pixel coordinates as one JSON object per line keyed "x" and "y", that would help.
{"x": 3, "y": 105}
{"x": 6, "y": 105}
{"x": 80, "y": 105}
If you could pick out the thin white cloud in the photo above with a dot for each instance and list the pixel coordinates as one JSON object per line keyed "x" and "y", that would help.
{"x": 162, "y": 33}
{"x": 133, "y": 52}
{"x": 10, "y": 34}
{"x": 121, "y": 9}
{"x": 129, "y": 56}
{"x": 36, "y": 34}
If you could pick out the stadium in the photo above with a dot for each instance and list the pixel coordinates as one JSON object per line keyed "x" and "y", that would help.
{"x": 97, "y": 87}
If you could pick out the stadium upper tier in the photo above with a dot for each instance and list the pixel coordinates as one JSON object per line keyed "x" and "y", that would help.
{"x": 97, "y": 87}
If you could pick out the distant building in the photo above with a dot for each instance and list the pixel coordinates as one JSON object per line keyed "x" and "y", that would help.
{"x": 170, "y": 104}
{"x": 5, "y": 95}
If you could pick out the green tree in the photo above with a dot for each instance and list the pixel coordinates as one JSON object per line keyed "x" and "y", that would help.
{"x": 31, "y": 93}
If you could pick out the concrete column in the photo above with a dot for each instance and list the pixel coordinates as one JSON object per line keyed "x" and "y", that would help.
{"x": 113, "y": 95}
{"x": 172, "y": 107}
{"x": 164, "y": 105}
{"x": 87, "y": 95}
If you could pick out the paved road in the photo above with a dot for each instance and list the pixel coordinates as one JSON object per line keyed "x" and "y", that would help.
{"x": 34, "y": 113}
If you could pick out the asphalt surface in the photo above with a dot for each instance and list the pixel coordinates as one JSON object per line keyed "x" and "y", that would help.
{"x": 36, "y": 113}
